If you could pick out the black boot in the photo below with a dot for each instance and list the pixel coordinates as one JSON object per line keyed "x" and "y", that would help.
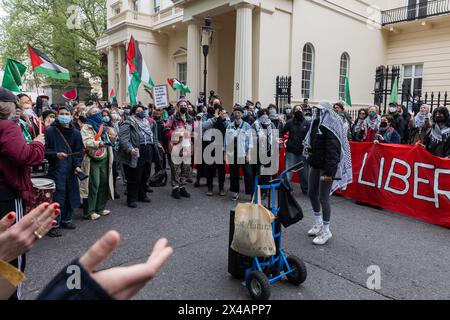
{"x": 176, "y": 193}
{"x": 184, "y": 193}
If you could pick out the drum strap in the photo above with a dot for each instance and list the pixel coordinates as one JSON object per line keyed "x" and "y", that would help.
{"x": 64, "y": 139}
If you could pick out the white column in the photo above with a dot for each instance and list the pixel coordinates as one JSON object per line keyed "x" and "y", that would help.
{"x": 111, "y": 71}
{"x": 122, "y": 90}
{"x": 243, "y": 55}
{"x": 193, "y": 60}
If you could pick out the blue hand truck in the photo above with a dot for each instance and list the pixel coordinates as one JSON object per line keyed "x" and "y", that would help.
{"x": 266, "y": 271}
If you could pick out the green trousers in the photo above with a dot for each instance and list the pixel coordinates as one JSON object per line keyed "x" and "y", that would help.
{"x": 98, "y": 187}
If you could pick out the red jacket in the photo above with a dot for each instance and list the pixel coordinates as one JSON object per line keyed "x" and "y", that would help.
{"x": 16, "y": 156}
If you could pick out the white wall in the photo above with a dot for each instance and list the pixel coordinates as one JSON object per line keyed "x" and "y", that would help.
{"x": 333, "y": 33}
{"x": 274, "y": 53}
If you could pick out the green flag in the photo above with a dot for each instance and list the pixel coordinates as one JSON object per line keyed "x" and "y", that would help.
{"x": 394, "y": 93}
{"x": 12, "y": 77}
{"x": 348, "y": 99}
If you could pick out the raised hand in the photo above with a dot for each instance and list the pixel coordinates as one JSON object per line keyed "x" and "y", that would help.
{"x": 123, "y": 282}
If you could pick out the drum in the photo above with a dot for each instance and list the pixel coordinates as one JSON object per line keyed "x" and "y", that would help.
{"x": 40, "y": 170}
{"x": 43, "y": 190}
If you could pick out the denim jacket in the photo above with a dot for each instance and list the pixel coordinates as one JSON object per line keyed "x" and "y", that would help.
{"x": 243, "y": 132}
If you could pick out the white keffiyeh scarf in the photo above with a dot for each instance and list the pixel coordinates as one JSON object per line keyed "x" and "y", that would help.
{"x": 333, "y": 122}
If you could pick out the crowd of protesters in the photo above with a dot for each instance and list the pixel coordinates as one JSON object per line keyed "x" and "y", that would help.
{"x": 89, "y": 147}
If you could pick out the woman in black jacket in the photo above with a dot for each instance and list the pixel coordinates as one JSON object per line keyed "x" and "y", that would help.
{"x": 328, "y": 152}
{"x": 136, "y": 150}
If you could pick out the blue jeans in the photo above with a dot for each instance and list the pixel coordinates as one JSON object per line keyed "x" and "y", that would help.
{"x": 292, "y": 159}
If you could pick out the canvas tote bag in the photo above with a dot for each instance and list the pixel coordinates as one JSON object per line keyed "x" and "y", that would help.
{"x": 253, "y": 230}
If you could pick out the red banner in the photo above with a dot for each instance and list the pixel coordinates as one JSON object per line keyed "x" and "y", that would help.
{"x": 403, "y": 179}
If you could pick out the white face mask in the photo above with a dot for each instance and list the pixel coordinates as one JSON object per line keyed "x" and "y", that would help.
{"x": 28, "y": 112}
{"x": 392, "y": 110}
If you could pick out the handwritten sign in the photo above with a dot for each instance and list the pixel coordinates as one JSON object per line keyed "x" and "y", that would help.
{"x": 160, "y": 96}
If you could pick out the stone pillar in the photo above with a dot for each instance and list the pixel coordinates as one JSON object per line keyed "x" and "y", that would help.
{"x": 243, "y": 55}
{"x": 111, "y": 71}
{"x": 122, "y": 92}
{"x": 193, "y": 60}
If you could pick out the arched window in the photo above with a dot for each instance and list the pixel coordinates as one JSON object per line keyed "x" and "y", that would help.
{"x": 308, "y": 71}
{"x": 344, "y": 71}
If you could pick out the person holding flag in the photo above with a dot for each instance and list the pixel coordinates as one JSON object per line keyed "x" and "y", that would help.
{"x": 97, "y": 162}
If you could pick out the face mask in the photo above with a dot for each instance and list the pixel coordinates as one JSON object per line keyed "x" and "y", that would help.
{"x": 28, "y": 112}
{"x": 147, "y": 114}
{"x": 298, "y": 114}
{"x": 308, "y": 118}
{"x": 245, "y": 114}
{"x": 439, "y": 119}
{"x": 115, "y": 117}
{"x": 392, "y": 110}
{"x": 183, "y": 110}
{"x": 383, "y": 124}
{"x": 64, "y": 119}
{"x": 288, "y": 111}
{"x": 106, "y": 119}
{"x": 373, "y": 114}
{"x": 121, "y": 112}
{"x": 140, "y": 115}
{"x": 96, "y": 117}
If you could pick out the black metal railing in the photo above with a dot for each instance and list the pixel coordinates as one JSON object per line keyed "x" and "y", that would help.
{"x": 433, "y": 99}
{"x": 418, "y": 11}
{"x": 283, "y": 93}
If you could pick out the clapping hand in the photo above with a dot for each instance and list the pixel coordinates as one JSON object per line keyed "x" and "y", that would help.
{"x": 17, "y": 239}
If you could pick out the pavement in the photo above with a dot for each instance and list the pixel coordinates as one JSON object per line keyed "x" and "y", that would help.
{"x": 413, "y": 256}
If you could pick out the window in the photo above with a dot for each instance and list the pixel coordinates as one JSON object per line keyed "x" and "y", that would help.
{"x": 116, "y": 10}
{"x": 182, "y": 72}
{"x": 307, "y": 71}
{"x": 344, "y": 71}
{"x": 156, "y": 5}
{"x": 412, "y": 80}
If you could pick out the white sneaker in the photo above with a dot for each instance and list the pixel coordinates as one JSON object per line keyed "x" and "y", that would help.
{"x": 236, "y": 197}
{"x": 316, "y": 230}
{"x": 322, "y": 238}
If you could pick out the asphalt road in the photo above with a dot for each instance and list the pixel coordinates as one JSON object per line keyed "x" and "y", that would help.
{"x": 413, "y": 256}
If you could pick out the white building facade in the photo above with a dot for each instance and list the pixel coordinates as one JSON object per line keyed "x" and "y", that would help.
{"x": 317, "y": 42}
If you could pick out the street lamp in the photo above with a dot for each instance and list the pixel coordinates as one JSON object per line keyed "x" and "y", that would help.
{"x": 77, "y": 66}
{"x": 207, "y": 35}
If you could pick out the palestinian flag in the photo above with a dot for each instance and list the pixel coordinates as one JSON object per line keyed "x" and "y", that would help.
{"x": 348, "y": 99}
{"x": 175, "y": 84}
{"x": 112, "y": 96}
{"x": 43, "y": 65}
{"x": 71, "y": 94}
{"x": 149, "y": 90}
{"x": 12, "y": 78}
{"x": 137, "y": 70}
{"x": 394, "y": 92}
